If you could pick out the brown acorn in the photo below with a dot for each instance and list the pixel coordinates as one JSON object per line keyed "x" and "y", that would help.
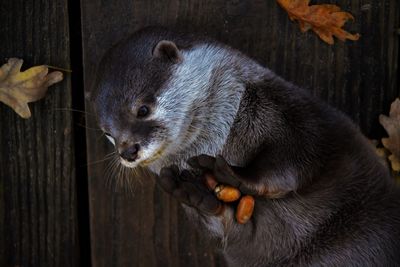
{"x": 245, "y": 209}
{"x": 226, "y": 193}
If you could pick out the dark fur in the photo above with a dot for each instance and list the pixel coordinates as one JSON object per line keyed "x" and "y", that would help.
{"x": 345, "y": 210}
{"x": 323, "y": 197}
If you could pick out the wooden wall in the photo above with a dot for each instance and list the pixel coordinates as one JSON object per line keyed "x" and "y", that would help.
{"x": 359, "y": 78}
{"x": 38, "y": 209}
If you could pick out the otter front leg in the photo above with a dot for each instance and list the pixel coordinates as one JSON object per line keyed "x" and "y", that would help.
{"x": 200, "y": 203}
{"x": 190, "y": 190}
{"x": 237, "y": 177}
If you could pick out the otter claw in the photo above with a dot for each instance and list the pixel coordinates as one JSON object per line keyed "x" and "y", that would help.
{"x": 202, "y": 162}
{"x": 189, "y": 190}
{"x": 221, "y": 170}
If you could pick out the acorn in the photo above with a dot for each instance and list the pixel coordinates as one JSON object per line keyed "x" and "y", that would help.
{"x": 245, "y": 209}
{"x": 226, "y": 193}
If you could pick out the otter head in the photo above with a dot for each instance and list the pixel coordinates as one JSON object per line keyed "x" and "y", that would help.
{"x": 133, "y": 100}
{"x": 140, "y": 104}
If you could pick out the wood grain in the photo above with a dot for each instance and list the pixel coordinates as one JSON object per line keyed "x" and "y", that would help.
{"x": 37, "y": 177}
{"x": 359, "y": 78}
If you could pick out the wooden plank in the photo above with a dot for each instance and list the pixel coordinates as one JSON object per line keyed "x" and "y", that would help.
{"x": 359, "y": 78}
{"x": 37, "y": 175}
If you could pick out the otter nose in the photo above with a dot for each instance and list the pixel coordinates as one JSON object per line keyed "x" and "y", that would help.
{"x": 131, "y": 153}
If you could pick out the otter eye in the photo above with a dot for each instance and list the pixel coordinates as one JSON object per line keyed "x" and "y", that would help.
{"x": 143, "y": 111}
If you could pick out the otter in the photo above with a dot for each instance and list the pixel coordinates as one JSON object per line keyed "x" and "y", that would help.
{"x": 184, "y": 105}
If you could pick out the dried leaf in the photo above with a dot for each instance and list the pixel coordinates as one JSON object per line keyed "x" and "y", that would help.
{"x": 17, "y": 88}
{"x": 392, "y": 127}
{"x": 325, "y": 20}
{"x": 382, "y": 152}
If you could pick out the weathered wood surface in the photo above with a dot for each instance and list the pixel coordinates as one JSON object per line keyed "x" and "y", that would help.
{"x": 359, "y": 78}
{"x": 37, "y": 177}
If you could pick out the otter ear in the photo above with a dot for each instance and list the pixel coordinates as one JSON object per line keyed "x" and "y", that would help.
{"x": 167, "y": 50}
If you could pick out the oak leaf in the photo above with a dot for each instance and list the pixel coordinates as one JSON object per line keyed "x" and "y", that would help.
{"x": 382, "y": 152}
{"x": 17, "y": 88}
{"x": 392, "y": 127}
{"x": 325, "y": 20}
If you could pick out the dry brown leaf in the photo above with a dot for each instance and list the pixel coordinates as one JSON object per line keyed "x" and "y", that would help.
{"x": 380, "y": 151}
{"x": 392, "y": 127}
{"x": 17, "y": 88}
{"x": 325, "y": 20}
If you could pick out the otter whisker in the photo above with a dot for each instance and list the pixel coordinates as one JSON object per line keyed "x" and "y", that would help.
{"x": 100, "y": 137}
{"x": 89, "y": 128}
{"x": 74, "y": 110}
{"x": 109, "y": 168}
{"x": 115, "y": 174}
{"x": 122, "y": 180}
{"x": 107, "y": 157}
{"x": 119, "y": 174}
{"x": 110, "y": 172}
{"x": 79, "y": 111}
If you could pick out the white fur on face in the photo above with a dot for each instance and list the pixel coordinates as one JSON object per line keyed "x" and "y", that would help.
{"x": 187, "y": 94}
{"x": 128, "y": 164}
{"x": 123, "y": 161}
{"x": 145, "y": 153}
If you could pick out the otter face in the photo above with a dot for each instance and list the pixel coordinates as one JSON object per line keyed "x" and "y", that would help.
{"x": 129, "y": 85}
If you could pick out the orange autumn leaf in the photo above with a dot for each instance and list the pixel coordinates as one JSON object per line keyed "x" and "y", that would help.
{"x": 325, "y": 20}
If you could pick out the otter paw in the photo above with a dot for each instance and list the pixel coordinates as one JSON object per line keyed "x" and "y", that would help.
{"x": 189, "y": 189}
{"x": 222, "y": 171}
